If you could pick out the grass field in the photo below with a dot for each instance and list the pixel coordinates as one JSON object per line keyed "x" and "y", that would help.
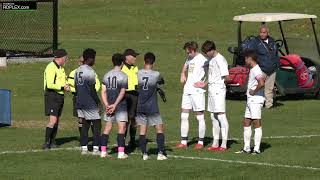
{"x": 291, "y": 130}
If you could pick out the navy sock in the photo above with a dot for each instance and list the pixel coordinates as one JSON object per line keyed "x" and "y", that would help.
{"x": 121, "y": 140}
{"x": 160, "y": 142}
{"x": 143, "y": 143}
{"x": 104, "y": 139}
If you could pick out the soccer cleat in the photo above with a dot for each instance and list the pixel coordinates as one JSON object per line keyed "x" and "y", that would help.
{"x": 122, "y": 156}
{"x": 181, "y": 146}
{"x": 211, "y": 148}
{"x": 145, "y": 157}
{"x": 221, "y": 149}
{"x": 198, "y": 146}
{"x": 84, "y": 152}
{"x": 242, "y": 151}
{"x": 256, "y": 152}
{"x": 161, "y": 157}
{"x": 96, "y": 152}
{"x": 46, "y": 146}
{"x": 105, "y": 155}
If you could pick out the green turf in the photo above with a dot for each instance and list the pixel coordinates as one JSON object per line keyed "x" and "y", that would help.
{"x": 161, "y": 27}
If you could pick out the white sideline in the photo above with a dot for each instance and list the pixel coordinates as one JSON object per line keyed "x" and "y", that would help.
{"x": 246, "y": 162}
{"x": 181, "y": 157}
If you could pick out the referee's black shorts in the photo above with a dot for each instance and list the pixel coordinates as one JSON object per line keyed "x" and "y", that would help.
{"x": 132, "y": 101}
{"x": 53, "y": 103}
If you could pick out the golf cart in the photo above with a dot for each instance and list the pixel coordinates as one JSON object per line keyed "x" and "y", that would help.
{"x": 301, "y": 50}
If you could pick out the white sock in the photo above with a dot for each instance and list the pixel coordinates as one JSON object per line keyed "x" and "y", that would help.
{"x": 120, "y": 153}
{"x": 224, "y": 129}
{"x": 84, "y": 148}
{"x": 257, "y": 138}
{"x": 184, "y": 127}
{"x": 95, "y": 148}
{"x": 247, "y": 137}
{"x": 215, "y": 130}
{"x": 202, "y": 128}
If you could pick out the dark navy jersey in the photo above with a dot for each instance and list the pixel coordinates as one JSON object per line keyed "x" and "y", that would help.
{"x": 85, "y": 81}
{"x": 148, "y": 81}
{"x": 114, "y": 81}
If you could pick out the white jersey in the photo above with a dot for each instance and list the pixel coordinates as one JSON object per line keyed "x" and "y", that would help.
{"x": 196, "y": 73}
{"x": 254, "y": 75}
{"x": 218, "y": 68}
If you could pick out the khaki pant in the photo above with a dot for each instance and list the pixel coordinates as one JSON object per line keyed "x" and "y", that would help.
{"x": 268, "y": 89}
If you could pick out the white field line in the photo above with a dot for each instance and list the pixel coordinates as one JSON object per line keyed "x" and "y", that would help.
{"x": 184, "y": 157}
{"x": 247, "y": 162}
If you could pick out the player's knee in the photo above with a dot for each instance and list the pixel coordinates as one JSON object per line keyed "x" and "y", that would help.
{"x": 159, "y": 128}
{"x": 185, "y": 111}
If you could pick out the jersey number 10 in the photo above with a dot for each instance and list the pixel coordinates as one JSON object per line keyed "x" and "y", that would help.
{"x": 112, "y": 82}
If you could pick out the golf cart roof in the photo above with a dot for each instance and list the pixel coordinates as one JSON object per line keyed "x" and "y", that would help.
{"x": 271, "y": 17}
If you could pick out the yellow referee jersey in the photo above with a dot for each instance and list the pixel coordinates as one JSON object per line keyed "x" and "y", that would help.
{"x": 54, "y": 78}
{"x": 131, "y": 72}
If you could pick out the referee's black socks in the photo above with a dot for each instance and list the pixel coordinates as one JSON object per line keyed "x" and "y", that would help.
{"x": 133, "y": 131}
{"x": 54, "y": 134}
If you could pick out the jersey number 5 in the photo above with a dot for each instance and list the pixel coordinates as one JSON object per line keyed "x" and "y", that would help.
{"x": 79, "y": 78}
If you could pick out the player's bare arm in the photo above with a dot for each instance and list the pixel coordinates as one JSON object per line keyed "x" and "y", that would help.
{"x": 183, "y": 77}
{"x": 113, "y": 106}
{"x": 227, "y": 79}
{"x": 104, "y": 97}
{"x": 259, "y": 86}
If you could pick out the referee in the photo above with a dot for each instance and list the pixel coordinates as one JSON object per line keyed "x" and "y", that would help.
{"x": 131, "y": 93}
{"x": 54, "y": 82}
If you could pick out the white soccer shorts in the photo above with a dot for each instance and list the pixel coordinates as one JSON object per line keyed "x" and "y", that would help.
{"x": 217, "y": 102}
{"x": 253, "y": 111}
{"x": 196, "y": 102}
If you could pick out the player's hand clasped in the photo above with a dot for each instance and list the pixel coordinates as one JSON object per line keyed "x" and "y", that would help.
{"x": 200, "y": 84}
{"x": 110, "y": 109}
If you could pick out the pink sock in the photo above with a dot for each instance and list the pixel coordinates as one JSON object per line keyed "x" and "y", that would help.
{"x": 104, "y": 148}
{"x": 120, "y": 149}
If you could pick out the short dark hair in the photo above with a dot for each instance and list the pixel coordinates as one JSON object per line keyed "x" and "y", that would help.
{"x": 208, "y": 46}
{"x": 89, "y": 56}
{"x": 117, "y": 59}
{"x": 149, "y": 58}
{"x": 190, "y": 45}
{"x": 250, "y": 53}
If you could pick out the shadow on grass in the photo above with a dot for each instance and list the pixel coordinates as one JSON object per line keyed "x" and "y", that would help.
{"x": 264, "y": 146}
{"x": 64, "y": 140}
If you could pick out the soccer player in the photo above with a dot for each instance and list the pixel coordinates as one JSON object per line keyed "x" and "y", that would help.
{"x": 255, "y": 100}
{"x": 70, "y": 82}
{"x": 54, "y": 85}
{"x": 87, "y": 101}
{"x": 147, "y": 109}
{"x": 193, "y": 97}
{"x": 217, "y": 75}
{"x": 114, "y": 86}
